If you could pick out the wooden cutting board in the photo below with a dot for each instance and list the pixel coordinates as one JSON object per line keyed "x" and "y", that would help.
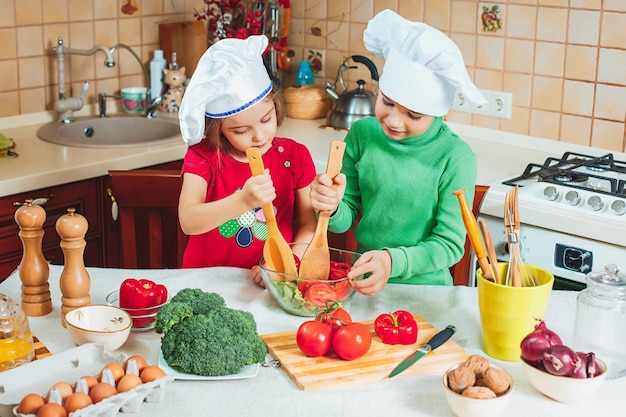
{"x": 187, "y": 39}
{"x": 329, "y": 372}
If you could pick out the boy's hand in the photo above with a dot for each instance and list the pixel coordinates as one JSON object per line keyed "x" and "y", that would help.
{"x": 324, "y": 197}
{"x": 259, "y": 190}
{"x": 378, "y": 264}
{"x": 256, "y": 276}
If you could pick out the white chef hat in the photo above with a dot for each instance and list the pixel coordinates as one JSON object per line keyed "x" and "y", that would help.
{"x": 423, "y": 67}
{"x": 230, "y": 77}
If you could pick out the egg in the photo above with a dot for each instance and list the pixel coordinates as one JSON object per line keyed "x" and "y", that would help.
{"x": 128, "y": 382}
{"x": 76, "y": 401}
{"x": 65, "y": 390}
{"x": 30, "y": 404}
{"x": 151, "y": 372}
{"x": 101, "y": 391}
{"x": 52, "y": 410}
{"x": 116, "y": 369}
{"x": 139, "y": 361}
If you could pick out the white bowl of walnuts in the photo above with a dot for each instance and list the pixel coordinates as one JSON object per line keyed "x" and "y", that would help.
{"x": 476, "y": 388}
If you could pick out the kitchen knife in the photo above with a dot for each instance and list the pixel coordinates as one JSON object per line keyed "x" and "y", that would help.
{"x": 434, "y": 342}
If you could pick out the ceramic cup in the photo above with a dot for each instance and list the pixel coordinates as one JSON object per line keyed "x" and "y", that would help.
{"x": 133, "y": 99}
{"x": 508, "y": 314}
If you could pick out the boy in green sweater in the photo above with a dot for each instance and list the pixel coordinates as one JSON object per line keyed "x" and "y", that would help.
{"x": 401, "y": 167}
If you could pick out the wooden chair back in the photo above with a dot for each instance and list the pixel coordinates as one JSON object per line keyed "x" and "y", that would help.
{"x": 150, "y": 233}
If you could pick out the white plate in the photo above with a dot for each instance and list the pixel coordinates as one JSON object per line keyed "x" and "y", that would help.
{"x": 247, "y": 371}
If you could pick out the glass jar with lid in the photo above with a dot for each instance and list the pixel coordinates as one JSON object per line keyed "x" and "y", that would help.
{"x": 16, "y": 340}
{"x": 601, "y": 319}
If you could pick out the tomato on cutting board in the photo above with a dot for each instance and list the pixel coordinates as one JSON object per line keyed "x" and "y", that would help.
{"x": 352, "y": 341}
{"x": 314, "y": 338}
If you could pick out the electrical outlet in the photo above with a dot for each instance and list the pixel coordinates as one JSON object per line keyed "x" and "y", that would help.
{"x": 499, "y": 104}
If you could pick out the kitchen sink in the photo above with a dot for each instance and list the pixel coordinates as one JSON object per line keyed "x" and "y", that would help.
{"x": 111, "y": 132}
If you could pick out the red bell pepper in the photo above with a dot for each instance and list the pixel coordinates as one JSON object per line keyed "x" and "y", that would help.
{"x": 138, "y": 296}
{"x": 398, "y": 328}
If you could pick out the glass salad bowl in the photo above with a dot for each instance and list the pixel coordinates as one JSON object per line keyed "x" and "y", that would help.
{"x": 307, "y": 297}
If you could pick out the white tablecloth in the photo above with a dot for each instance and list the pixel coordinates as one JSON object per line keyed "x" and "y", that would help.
{"x": 273, "y": 393}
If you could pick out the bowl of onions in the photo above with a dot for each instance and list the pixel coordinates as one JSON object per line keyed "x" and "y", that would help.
{"x": 557, "y": 371}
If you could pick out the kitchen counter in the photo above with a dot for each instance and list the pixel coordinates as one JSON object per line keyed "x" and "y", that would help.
{"x": 273, "y": 392}
{"x": 42, "y": 164}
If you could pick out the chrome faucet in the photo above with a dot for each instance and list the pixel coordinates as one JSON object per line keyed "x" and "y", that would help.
{"x": 151, "y": 104}
{"x": 64, "y": 106}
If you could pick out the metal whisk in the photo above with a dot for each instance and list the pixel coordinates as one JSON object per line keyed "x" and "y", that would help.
{"x": 517, "y": 273}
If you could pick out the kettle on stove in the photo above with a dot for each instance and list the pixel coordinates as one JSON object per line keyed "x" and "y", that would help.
{"x": 355, "y": 104}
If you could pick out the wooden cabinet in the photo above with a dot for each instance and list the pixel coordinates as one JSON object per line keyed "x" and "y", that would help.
{"x": 82, "y": 195}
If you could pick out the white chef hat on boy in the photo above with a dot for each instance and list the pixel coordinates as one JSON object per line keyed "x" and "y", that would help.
{"x": 423, "y": 67}
{"x": 230, "y": 77}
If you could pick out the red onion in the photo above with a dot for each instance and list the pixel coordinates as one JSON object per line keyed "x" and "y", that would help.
{"x": 560, "y": 360}
{"x": 592, "y": 365}
{"x": 581, "y": 371}
{"x": 536, "y": 342}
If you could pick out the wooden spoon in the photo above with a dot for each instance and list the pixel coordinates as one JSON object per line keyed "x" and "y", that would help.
{"x": 277, "y": 252}
{"x": 491, "y": 251}
{"x": 315, "y": 262}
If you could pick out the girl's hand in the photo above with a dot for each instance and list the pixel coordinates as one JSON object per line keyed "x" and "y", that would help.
{"x": 324, "y": 197}
{"x": 378, "y": 264}
{"x": 256, "y": 276}
{"x": 259, "y": 190}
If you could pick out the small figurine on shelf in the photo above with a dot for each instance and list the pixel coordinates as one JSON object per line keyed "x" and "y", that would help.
{"x": 175, "y": 79}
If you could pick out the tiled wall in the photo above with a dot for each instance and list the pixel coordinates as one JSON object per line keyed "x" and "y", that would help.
{"x": 563, "y": 60}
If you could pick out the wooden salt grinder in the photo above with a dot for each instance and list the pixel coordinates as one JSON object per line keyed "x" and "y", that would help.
{"x": 33, "y": 269}
{"x": 75, "y": 281}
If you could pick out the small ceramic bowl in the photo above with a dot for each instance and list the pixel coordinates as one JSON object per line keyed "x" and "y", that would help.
{"x": 104, "y": 324}
{"x": 563, "y": 388}
{"x": 143, "y": 319}
{"x": 471, "y": 407}
{"x": 307, "y": 297}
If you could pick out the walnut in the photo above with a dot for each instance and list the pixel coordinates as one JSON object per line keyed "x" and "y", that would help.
{"x": 497, "y": 380}
{"x": 481, "y": 393}
{"x": 460, "y": 378}
{"x": 478, "y": 364}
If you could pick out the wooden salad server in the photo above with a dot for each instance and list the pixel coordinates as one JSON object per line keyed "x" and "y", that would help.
{"x": 315, "y": 262}
{"x": 277, "y": 252}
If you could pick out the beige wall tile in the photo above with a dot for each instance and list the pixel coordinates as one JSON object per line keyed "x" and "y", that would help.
{"x": 463, "y": 17}
{"x": 29, "y": 79}
{"x": 9, "y": 104}
{"x": 437, "y": 14}
{"x": 356, "y": 38}
{"x": 9, "y": 79}
{"x": 519, "y": 55}
{"x": 29, "y": 41}
{"x": 296, "y": 32}
{"x": 105, "y": 9}
{"x": 613, "y": 32}
{"x": 337, "y": 10}
{"x": 608, "y": 135}
{"x": 130, "y": 31}
{"x": 338, "y": 32}
{"x": 615, "y": 5}
{"x": 28, "y": 12}
{"x": 559, "y": 3}
{"x": 544, "y": 124}
{"x": 459, "y": 117}
{"x": 81, "y": 68}
{"x": 520, "y": 85}
{"x": 610, "y": 102}
{"x": 314, "y": 41}
{"x": 149, "y": 8}
{"x": 575, "y": 129}
{"x": 32, "y": 100}
{"x": 547, "y": 93}
{"x": 519, "y": 122}
{"x": 412, "y": 10}
{"x": 578, "y": 97}
{"x": 486, "y": 122}
{"x": 106, "y": 32}
{"x": 488, "y": 79}
{"x": 380, "y": 5}
{"x": 7, "y": 17}
{"x": 549, "y": 58}
{"x": 55, "y": 11}
{"x": 80, "y": 10}
{"x": 521, "y": 21}
{"x": 8, "y": 40}
{"x": 580, "y": 62}
{"x": 490, "y": 52}
{"x": 362, "y": 11}
{"x": 586, "y": 4}
{"x": 81, "y": 36}
{"x": 467, "y": 45}
{"x": 551, "y": 24}
{"x": 526, "y": 1}
{"x": 174, "y": 6}
{"x": 611, "y": 66}
{"x": 150, "y": 29}
{"x": 583, "y": 27}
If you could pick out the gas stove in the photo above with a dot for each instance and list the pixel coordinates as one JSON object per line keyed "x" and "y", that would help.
{"x": 572, "y": 211}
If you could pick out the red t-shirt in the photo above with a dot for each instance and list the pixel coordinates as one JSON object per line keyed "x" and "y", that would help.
{"x": 239, "y": 242}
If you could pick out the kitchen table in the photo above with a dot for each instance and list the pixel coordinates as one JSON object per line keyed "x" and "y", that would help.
{"x": 272, "y": 392}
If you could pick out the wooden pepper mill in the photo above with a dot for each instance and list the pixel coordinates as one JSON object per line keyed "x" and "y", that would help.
{"x": 75, "y": 281}
{"x": 33, "y": 269}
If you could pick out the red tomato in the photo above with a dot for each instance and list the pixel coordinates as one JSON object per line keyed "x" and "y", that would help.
{"x": 342, "y": 289}
{"x": 334, "y": 316}
{"x": 352, "y": 341}
{"x": 338, "y": 270}
{"x": 313, "y": 338}
{"x": 319, "y": 293}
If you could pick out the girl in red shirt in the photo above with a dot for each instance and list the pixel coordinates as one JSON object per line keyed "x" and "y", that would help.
{"x": 229, "y": 106}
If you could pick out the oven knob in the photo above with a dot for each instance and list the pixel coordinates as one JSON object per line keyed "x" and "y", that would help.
{"x": 572, "y": 198}
{"x": 551, "y": 193}
{"x": 618, "y": 207}
{"x": 595, "y": 203}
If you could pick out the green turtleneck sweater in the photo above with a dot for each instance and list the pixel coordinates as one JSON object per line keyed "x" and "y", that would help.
{"x": 401, "y": 194}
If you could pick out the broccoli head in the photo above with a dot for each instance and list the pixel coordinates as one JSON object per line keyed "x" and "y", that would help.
{"x": 171, "y": 314}
{"x": 217, "y": 342}
{"x": 201, "y": 302}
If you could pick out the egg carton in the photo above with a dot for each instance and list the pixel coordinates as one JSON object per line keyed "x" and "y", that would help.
{"x": 72, "y": 365}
